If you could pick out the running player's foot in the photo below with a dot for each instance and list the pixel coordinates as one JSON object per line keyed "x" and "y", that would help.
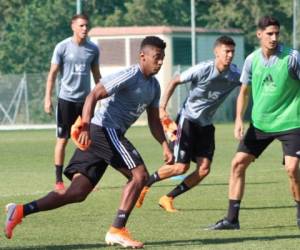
{"x": 141, "y": 198}
{"x": 167, "y": 203}
{"x": 121, "y": 236}
{"x": 224, "y": 224}
{"x": 59, "y": 186}
{"x": 14, "y": 215}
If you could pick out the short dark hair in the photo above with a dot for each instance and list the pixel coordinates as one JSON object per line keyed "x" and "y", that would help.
{"x": 81, "y": 16}
{"x": 226, "y": 40}
{"x": 153, "y": 41}
{"x": 266, "y": 21}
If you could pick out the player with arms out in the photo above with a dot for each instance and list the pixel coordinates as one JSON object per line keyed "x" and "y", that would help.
{"x": 125, "y": 95}
{"x": 211, "y": 82}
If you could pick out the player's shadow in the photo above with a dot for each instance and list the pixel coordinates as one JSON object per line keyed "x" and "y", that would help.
{"x": 58, "y": 247}
{"x": 216, "y": 241}
{"x": 171, "y": 183}
{"x": 243, "y": 208}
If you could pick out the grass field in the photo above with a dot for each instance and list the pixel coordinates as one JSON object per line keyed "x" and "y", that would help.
{"x": 267, "y": 216}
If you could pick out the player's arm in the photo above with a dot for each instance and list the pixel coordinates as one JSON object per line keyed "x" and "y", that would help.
{"x": 158, "y": 133}
{"x": 49, "y": 87}
{"x": 96, "y": 73}
{"x": 241, "y": 106}
{"x": 98, "y": 93}
{"x": 167, "y": 95}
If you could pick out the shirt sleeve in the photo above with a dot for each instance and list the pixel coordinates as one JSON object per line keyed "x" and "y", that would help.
{"x": 294, "y": 64}
{"x": 246, "y": 76}
{"x": 116, "y": 81}
{"x": 155, "y": 102}
{"x": 191, "y": 74}
{"x": 57, "y": 55}
{"x": 96, "y": 57}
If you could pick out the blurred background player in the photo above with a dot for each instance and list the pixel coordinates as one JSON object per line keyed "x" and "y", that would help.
{"x": 271, "y": 73}
{"x": 127, "y": 94}
{"x": 211, "y": 82}
{"x": 74, "y": 57}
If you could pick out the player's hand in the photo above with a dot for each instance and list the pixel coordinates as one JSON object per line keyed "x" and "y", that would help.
{"x": 167, "y": 154}
{"x": 80, "y": 134}
{"x": 48, "y": 108}
{"x": 84, "y": 138}
{"x": 239, "y": 129}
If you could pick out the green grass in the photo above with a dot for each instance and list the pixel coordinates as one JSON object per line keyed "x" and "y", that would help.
{"x": 267, "y": 216}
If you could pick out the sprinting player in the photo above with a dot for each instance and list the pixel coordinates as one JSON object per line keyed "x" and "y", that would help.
{"x": 125, "y": 95}
{"x": 74, "y": 57}
{"x": 271, "y": 74}
{"x": 211, "y": 82}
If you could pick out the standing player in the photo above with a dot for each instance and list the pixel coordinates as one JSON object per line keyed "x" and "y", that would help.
{"x": 272, "y": 75}
{"x": 126, "y": 95}
{"x": 211, "y": 82}
{"x": 74, "y": 58}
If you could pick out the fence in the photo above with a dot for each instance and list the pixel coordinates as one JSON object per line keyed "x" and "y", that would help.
{"x": 22, "y": 101}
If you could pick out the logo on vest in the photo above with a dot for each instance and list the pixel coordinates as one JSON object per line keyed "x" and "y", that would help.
{"x": 268, "y": 84}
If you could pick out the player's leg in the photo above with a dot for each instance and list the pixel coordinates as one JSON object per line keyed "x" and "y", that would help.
{"x": 66, "y": 114}
{"x": 252, "y": 145}
{"x": 202, "y": 150}
{"x": 85, "y": 170}
{"x": 59, "y": 158}
{"x": 291, "y": 150}
{"x": 78, "y": 190}
{"x": 182, "y": 152}
{"x": 292, "y": 169}
{"x": 128, "y": 161}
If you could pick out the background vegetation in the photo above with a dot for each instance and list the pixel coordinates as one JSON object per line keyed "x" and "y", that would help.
{"x": 29, "y": 29}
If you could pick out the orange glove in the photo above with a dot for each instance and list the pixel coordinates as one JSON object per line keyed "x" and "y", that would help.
{"x": 75, "y": 132}
{"x": 170, "y": 128}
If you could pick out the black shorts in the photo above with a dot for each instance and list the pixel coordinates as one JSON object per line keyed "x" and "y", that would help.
{"x": 193, "y": 141}
{"x": 256, "y": 141}
{"x": 108, "y": 147}
{"x": 66, "y": 114}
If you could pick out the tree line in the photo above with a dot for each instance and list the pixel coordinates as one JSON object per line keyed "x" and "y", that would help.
{"x": 29, "y": 29}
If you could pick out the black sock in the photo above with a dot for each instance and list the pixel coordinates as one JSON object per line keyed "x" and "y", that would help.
{"x": 58, "y": 173}
{"x": 30, "y": 208}
{"x": 180, "y": 189}
{"x": 152, "y": 179}
{"x": 121, "y": 219}
{"x": 233, "y": 211}
{"x": 298, "y": 209}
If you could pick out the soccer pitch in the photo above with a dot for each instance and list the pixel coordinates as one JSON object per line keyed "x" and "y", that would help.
{"x": 267, "y": 216}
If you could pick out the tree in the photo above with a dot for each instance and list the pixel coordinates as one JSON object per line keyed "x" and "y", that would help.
{"x": 30, "y": 31}
{"x": 244, "y": 15}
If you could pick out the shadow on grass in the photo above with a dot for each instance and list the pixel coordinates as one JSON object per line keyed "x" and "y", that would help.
{"x": 59, "y": 247}
{"x": 202, "y": 184}
{"x": 158, "y": 244}
{"x": 217, "y": 241}
{"x": 263, "y": 208}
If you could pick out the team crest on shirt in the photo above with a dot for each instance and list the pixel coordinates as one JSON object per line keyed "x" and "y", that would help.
{"x": 71, "y": 56}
